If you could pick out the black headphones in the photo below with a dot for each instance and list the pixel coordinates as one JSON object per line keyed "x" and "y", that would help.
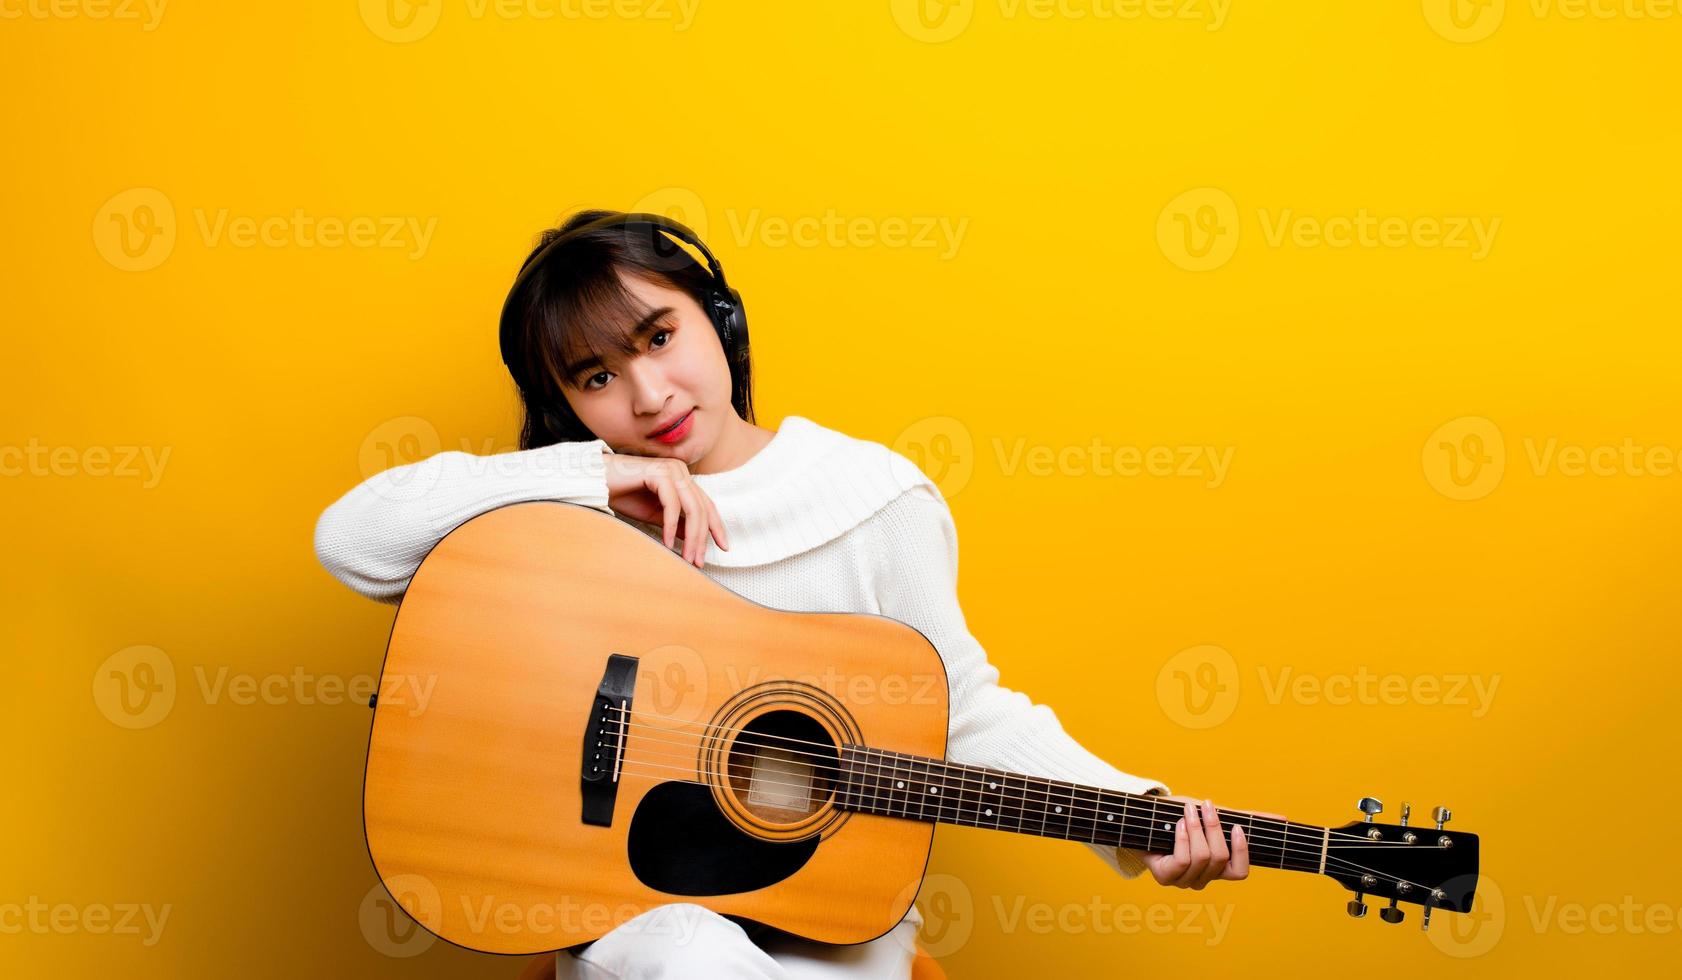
{"x": 722, "y": 304}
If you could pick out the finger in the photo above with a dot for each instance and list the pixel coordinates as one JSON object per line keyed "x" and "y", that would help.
{"x": 1239, "y": 869}
{"x": 719, "y": 534}
{"x": 714, "y": 523}
{"x": 692, "y": 520}
{"x": 1199, "y": 842}
{"x": 669, "y": 506}
{"x": 1181, "y": 857}
{"x": 1167, "y": 868}
{"x": 687, "y": 513}
{"x": 1218, "y": 852}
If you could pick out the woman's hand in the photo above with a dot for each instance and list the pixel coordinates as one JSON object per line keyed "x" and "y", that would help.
{"x": 657, "y": 490}
{"x": 1200, "y": 852}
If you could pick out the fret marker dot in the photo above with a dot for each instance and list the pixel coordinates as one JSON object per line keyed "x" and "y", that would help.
{"x": 992, "y": 785}
{"x": 1059, "y": 809}
{"x": 1109, "y": 816}
{"x": 900, "y": 784}
{"x": 989, "y": 813}
{"x": 933, "y": 789}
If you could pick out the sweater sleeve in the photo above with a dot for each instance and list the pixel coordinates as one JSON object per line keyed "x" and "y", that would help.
{"x": 915, "y": 581}
{"x": 373, "y": 538}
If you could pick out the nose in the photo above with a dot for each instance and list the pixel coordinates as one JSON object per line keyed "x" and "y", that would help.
{"x": 649, "y": 389}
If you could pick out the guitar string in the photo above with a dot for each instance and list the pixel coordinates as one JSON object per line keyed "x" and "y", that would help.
{"x": 1249, "y": 818}
{"x": 1259, "y": 836}
{"x": 1155, "y": 801}
{"x": 1309, "y": 854}
{"x": 1302, "y": 853}
{"x": 845, "y": 786}
{"x": 895, "y": 768}
{"x": 1297, "y": 852}
{"x": 1078, "y": 807}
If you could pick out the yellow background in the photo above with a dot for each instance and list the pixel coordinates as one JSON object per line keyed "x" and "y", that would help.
{"x": 273, "y": 373}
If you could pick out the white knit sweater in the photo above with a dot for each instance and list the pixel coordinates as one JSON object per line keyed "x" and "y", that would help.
{"x": 818, "y": 522}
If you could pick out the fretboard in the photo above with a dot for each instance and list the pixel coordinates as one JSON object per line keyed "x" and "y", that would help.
{"x": 917, "y": 788}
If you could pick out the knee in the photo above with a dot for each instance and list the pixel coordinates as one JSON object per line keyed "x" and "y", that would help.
{"x": 683, "y": 924}
{"x": 681, "y": 933}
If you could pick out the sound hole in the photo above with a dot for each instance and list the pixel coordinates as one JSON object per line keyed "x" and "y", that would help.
{"x": 781, "y": 767}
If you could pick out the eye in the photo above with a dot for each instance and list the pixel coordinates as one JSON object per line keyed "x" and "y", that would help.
{"x": 590, "y": 382}
{"x": 660, "y": 333}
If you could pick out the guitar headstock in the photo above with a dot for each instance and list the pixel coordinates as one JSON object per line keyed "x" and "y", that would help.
{"x": 1420, "y": 865}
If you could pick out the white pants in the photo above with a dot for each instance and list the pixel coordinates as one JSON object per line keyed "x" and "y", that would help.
{"x": 684, "y": 940}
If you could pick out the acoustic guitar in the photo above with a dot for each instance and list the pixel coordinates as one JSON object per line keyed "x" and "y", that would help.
{"x": 610, "y": 730}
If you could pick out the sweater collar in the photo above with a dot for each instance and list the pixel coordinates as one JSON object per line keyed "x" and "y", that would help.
{"x": 807, "y": 486}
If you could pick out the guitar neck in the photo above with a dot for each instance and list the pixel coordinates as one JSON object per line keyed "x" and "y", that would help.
{"x": 935, "y": 791}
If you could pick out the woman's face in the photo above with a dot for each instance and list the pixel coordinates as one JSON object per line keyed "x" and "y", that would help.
{"x": 678, "y": 370}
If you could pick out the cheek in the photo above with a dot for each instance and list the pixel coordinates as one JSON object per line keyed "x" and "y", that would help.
{"x": 705, "y": 372}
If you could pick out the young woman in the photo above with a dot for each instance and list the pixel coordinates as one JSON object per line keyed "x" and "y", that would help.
{"x": 631, "y": 362}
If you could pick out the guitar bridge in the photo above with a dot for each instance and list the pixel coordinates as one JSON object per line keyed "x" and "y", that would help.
{"x": 604, "y": 739}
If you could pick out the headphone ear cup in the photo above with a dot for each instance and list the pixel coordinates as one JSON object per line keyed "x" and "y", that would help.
{"x": 731, "y": 319}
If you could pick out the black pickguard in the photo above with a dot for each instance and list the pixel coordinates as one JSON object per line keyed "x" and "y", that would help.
{"x": 680, "y": 844}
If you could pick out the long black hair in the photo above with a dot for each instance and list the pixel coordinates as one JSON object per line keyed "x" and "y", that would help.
{"x": 574, "y": 306}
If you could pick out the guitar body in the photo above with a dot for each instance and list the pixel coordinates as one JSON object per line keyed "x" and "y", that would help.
{"x": 475, "y": 800}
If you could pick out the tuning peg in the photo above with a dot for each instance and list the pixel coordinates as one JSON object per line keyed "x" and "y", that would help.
{"x": 1356, "y": 907}
{"x": 1441, "y": 815}
{"x": 1423, "y": 926}
{"x": 1370, "y": 807}
{"x": 1392, "y": 914}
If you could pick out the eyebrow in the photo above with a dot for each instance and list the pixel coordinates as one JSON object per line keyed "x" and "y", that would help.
{"x": 643, "y": 328}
